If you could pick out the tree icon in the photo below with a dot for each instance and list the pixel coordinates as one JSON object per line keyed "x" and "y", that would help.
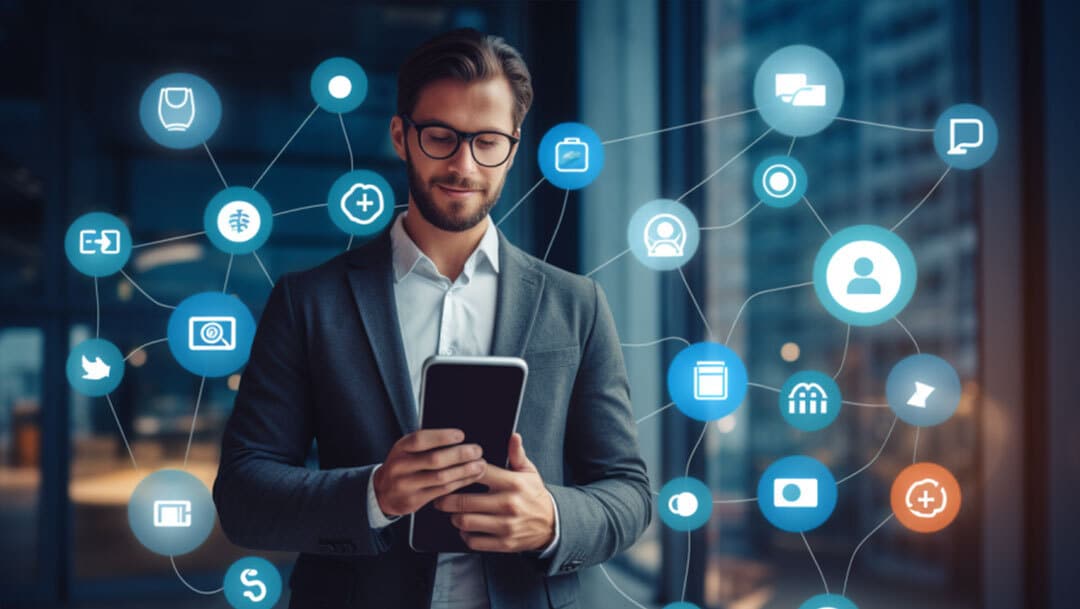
{"x": 239, "y": 220}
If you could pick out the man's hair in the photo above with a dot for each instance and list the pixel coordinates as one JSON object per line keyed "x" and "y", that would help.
{"x": 466, "y": 55}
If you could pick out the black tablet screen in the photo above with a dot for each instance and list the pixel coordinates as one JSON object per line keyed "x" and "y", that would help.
{"x": 482, "y": 401}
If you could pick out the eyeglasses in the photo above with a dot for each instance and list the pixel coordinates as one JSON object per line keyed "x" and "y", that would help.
{"x": 439, "y": 141}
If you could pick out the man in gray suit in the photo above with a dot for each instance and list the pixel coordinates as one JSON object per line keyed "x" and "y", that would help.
{"x": 337, "y": 359}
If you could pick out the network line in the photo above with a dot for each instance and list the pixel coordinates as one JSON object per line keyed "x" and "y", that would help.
{"x": 755, "y": 295}
{"x": 143, "y": 292}
{"x": 725, "y": 165}
{"x": 280, "y": 152}
{"x": 682, "y": 126}
{"x": 214, "y": 162}
{"x": 708, "y": 328}
{"x": 172, "y": 561}
{"x": 520, "y": 201}
{"x": 558, "y": 223}
{"x": 851, "y": 561}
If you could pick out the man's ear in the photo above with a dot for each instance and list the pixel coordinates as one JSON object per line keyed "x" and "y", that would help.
{"x": 397, "y": 136}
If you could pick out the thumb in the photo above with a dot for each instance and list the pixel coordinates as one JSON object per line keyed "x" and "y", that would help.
{"x": 518, "y": 461}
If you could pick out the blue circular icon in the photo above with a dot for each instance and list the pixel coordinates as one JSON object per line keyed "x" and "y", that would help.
{"x": 707, "y": 381}
{"x": 779, "y": 181}
{"x": 339, "y": 85}
{"x": 828, "y": 601}
{"x": 681, "y": 605}
{"x": 210, "y": 334}
{"x": 923, "y": 390}
{"x": 252, "y": 582}
{"x": 798, "y": 90}
{"x": 810, "y": 400}
{"x": 965, "y": 136}
{"x": 180, "y": 110}
{"x": 685, "y": 504}
{"x": 797, "y": 494}
{"x": 571, "y": 155}
{"x": 238, "y": 220}
{"x": 171, "y": 512}
{"x": 864, "y": 275}
{"x": 663, "y": 234}
{"x": 361, "y": 203}
{"x": 97, "y": 244}
{"x": 95, "y": 367}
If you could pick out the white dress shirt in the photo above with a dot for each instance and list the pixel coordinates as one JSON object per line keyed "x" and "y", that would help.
{"x": 448, "y": 318}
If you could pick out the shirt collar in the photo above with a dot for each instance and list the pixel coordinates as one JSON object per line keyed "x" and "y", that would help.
{"x": 408, "y": 256}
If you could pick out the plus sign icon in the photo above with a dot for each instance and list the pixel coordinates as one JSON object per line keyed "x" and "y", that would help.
{"x": 925, "y": 497}
{"x": 361, "y": 203}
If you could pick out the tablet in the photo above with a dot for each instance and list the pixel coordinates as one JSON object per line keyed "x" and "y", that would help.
{"x": 482, "y": 397}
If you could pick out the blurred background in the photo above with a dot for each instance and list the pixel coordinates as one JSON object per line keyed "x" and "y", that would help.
{"x": 995, "y": 249}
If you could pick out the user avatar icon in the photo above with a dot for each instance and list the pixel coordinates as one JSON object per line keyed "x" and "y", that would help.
{"x": 665, "y": 236}
{"x": 864, "y": 283}
{"x": 864, "y": 275}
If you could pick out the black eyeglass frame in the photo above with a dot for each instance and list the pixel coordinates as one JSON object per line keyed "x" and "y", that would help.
{"x": 461, "y": 135}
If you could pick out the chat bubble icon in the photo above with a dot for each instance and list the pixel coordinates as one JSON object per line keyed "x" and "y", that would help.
{"x": 964, "y": 133}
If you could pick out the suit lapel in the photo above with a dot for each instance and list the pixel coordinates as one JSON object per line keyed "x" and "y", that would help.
{"x": 517, "y": 300}
{"x": 371, "y": 275}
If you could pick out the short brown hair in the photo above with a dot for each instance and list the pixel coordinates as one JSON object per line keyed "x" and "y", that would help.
{"x": 466, "y": 55}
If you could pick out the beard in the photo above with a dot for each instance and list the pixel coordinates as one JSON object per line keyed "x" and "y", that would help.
{"x": 456, "y": 218}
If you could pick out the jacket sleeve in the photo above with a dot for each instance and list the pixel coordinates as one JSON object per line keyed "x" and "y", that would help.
{"x": 610, "y": 503}
{"x": 265, "y": 496}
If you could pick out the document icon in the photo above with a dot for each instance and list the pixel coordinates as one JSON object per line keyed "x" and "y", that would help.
{"x": 710, "y": 381}
{"x": 172, "y": 514}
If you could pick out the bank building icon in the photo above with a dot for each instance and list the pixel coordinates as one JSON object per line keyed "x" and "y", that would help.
{"x": 808, "y": 398}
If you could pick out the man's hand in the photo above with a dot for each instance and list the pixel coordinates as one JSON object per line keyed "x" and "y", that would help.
{"x": 424, "y": 465}
{"x": 516, "y": 515}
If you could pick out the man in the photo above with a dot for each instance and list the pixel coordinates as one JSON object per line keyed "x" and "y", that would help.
{"x": 337, "y": 359}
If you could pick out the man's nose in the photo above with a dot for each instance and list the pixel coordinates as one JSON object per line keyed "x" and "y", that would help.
{"x": 462, "y": 161}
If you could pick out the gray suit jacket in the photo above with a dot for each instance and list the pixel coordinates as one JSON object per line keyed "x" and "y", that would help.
{"x": 328, "y": 364}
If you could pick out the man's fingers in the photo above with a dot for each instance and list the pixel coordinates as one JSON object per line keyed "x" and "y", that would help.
{"x": 434, "y": 492}
{"x": 427, "y": 439}
{"x": 476, "y": 503}
{"x": 483, "y": 542}
{"x": 445, "y": 457}
{"x": 441, "y": 477}
{"x": 499, "y": 479}
{"x": 482, "y": 523}
{"x": 518, "y": 461}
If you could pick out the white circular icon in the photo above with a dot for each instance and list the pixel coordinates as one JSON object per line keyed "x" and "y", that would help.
{"x": 863, "y": 276}
{"x": 340, "y": 86}
{"x": 779, "y": 180}
{"x": 684, "y": 504}
{"x": 239, "y": 221}
{"x": 665, "y": 236}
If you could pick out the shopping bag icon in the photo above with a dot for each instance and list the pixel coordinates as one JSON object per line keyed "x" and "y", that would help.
{"x": 176, "y": 108}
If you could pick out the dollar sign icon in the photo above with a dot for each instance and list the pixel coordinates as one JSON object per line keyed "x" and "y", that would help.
{"x": 245, "y": 578}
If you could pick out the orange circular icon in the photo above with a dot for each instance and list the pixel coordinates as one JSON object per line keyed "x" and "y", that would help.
{"x": 925, "y": 497}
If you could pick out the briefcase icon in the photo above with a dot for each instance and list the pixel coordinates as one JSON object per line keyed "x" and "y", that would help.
{"x": 571, "y": 155}
{"x": 176, "y": 108}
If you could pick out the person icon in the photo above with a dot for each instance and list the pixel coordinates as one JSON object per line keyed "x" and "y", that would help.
{"x": 665, "y": 236}
{"x": 864, "y": 284}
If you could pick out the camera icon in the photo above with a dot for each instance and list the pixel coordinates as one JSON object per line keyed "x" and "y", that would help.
{"x": 212, "y": 333}
{"x": 795, "y": 492}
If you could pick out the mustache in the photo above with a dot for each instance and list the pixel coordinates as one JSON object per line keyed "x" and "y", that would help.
{"x": 458, "y": 182}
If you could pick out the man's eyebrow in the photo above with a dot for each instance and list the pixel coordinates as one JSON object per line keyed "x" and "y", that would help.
{"x": 442, "y": 123}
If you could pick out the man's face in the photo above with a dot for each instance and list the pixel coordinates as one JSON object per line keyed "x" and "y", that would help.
{"x": 456, "y": 193}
